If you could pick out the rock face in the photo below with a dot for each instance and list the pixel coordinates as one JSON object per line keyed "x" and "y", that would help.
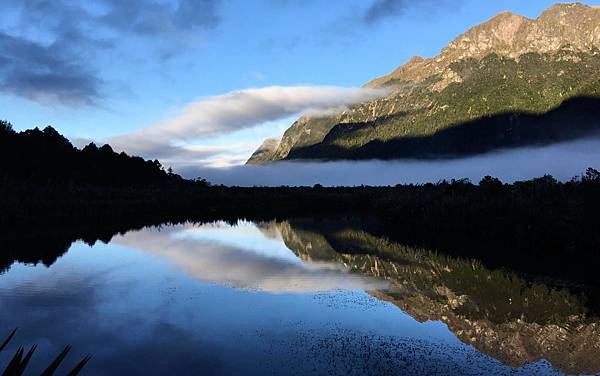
{"x": 499, "y": 313}
{"x": 264, "y": 152}
{"x": 508, "y": 66}
{"x": 575, "y": 27}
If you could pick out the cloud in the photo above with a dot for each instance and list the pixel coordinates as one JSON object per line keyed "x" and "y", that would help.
{"x": 142, "y": 17}
{"x": 563, "y": 161}
{"x": 227, "y": 113}
{"x": 45, "y": 73}
{"x": 155, "y": 18}
{"x": 381, "y": 10}
{"x": 200, "y": 155}
{"x": 46, "y": 47}
{"x": 240, "y": 109}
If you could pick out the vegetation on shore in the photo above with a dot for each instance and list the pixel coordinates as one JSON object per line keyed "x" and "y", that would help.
{"x": 541, "y": 226}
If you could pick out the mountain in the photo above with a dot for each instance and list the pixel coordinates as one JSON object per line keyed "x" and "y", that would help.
{"x": 510, "y": 81}
{"x": 264, "y": 151}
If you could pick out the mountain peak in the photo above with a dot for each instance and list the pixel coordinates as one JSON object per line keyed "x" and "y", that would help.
{"x": 568, "y": 12}
{"x": 505, "y": 16}
{"x": 567, "y": 7}
{"x": 501, "y": 29}
{"x": 508, "y": 34}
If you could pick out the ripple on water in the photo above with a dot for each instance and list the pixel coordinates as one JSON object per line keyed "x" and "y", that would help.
{"x": 341, "y": 351}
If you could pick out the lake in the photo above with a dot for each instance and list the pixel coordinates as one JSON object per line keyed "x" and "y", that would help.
{"x": 289, "y": 297}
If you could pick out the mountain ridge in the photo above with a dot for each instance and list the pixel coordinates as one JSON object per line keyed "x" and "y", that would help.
{"x": 508, "y": 64}
{"x": 512, "y": 35}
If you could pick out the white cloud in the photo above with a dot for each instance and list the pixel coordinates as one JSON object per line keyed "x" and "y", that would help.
{"x": 217, "y": 115}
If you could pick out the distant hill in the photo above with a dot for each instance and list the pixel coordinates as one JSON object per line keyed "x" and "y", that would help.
{"x": 45, "y": 156}
{"x": 508, "y": 82}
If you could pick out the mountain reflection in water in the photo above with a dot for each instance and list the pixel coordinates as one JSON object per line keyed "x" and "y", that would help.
{"x": 287, "y": 297}
{"x": 499, "y": 313}
{"x": 240, "y": 257}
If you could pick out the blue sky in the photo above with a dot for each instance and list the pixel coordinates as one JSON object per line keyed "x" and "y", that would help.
{"x": 99, "y": 70}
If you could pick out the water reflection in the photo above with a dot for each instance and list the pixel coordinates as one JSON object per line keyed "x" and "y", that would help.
{"x": 289, "y": 297}
{"x": 500, "y": 313}
{"x": 240, "y": 257}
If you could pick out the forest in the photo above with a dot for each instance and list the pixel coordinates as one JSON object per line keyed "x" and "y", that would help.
{"x": 540, "y": 226}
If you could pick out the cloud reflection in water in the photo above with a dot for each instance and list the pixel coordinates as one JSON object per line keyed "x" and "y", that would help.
{"x": 239, "y": 258}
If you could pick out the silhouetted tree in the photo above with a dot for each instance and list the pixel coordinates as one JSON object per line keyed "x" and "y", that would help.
{"x": 45, "y": 156}
{"x": 6, "y": 127}
{"x": 591, "y": 175}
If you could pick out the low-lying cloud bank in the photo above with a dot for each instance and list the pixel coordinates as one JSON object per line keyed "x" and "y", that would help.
{"x": 230, "y": 112}
{"x": 563, "y": 161}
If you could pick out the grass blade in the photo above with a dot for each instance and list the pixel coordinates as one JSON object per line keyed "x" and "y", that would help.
{"x": 56, "y": 362}
{"x": 13, "y": 367}
{"x": 75, "y": 371}
{"x": 7, "y": 340}
{"x": 18, "y": 363}
{"x": 25, "y": 361}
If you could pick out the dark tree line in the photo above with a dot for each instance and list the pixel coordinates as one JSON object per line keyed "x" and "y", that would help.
{"x": 541, "y": 225}
{"x": 41, "y": 156}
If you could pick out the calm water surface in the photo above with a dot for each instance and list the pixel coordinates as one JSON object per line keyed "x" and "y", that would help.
{"x": 234, "y": 300}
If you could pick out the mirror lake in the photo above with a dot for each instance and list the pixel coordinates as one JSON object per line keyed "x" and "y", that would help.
{"x": 298, "y": 296}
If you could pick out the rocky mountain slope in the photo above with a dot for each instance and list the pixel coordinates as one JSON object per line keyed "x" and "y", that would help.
{"x": 510, "y": 81}
{"x": 264, "y": 152}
